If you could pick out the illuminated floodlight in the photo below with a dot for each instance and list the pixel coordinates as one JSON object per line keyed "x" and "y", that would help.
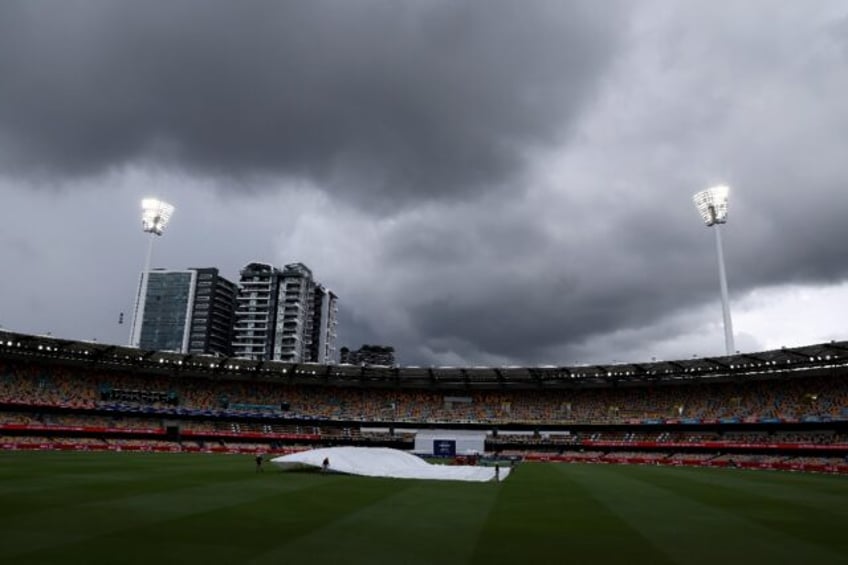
{"x": 712, "y": 204}
{"x": 155, "y": 215}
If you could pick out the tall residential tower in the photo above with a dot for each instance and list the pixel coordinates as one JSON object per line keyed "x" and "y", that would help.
{"x": 256, "y": 310}
{"x": 284, "y": 315}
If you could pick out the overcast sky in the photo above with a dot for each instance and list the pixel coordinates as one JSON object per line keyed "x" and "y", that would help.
{"x": 482, "y": 182}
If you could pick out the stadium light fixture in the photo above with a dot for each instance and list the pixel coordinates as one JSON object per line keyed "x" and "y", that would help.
{"x": 712, "y": 205}
{"x": 155, "y": 215}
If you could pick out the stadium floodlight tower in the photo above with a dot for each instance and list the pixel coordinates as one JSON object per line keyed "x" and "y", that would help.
{"x": 155, "y": 215}
{"x": 712, "y": 205}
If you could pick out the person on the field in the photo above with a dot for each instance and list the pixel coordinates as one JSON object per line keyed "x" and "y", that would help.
{"x": 326, "y": 464}
{"x": 497, "y": 472}
{"x": 259, "y": 468}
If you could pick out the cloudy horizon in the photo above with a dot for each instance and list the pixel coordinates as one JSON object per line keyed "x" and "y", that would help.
{"x": 481, "y": 183}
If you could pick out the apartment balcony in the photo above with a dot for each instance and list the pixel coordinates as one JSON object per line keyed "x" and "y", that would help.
{"x": 253, "y": 339}
{"x": 249, "y": 347}
{"x": 248, "y": 340}
{"x": 260, "y": 282}
{"x": 247, "y": 337}
{"x": 257, "y": 305}
{"x": 256, "y": 317}
{"x": 247, "y": 298}
{"x": 297, "y": 315}
{"x": 251, "y": 325}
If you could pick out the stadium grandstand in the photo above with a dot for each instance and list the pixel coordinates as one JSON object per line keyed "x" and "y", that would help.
{"x": 779, "y": 409}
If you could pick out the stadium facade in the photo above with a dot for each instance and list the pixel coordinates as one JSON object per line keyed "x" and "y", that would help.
{"x": 779, "y": 409}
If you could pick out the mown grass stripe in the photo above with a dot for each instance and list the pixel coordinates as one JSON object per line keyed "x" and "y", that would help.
{"x": 690, "y": 531}
{"x": 253, "y": 527}
{"x": 542, "y": 515}
{"x": 37, "y": 505}
{"x": 122, "y": 508}
{"x": 815, "y": 532}
{"x": 828, "y": 484}
{"x": 22, "y": 472}
{"x": 777, "y": 485}
{"x": 426, "y": 522}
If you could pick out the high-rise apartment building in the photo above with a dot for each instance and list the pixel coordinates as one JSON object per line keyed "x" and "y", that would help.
{"x": 284, "y": 315}
{"x": 323, "y": 345}
{"x": 295, "y": 313}
{"x": 188, "y": 311}
{"x": 256, "y": 311}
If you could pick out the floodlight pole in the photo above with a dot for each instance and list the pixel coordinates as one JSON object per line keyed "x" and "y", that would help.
{"x": 135, "y": 331}
{"x": 712, "y": 206}
{"x": 725, "y": 301}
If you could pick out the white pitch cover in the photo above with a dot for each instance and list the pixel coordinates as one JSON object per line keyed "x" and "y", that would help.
{"x": 384, "y": 462}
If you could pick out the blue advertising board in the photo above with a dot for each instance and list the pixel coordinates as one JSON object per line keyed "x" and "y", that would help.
{"x": 444, "y": 447}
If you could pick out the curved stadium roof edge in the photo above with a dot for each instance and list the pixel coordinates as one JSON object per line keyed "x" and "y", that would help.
{"x": 809, "y": 360}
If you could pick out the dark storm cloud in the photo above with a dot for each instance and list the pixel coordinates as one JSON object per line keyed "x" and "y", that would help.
{"x": 499, "y": 284}
{"x": 534, "y": 163}
{"x": 614, "y": 251}
{"x": 396, "y": 99}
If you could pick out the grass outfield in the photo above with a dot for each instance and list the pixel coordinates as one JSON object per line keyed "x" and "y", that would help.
{"x": 181, "y": 508}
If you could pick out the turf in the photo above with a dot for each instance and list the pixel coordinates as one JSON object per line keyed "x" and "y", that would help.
{"x": 178, "y": 508}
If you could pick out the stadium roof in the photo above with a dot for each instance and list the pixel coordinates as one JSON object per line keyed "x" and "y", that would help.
{"x": 810, "y": 360}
